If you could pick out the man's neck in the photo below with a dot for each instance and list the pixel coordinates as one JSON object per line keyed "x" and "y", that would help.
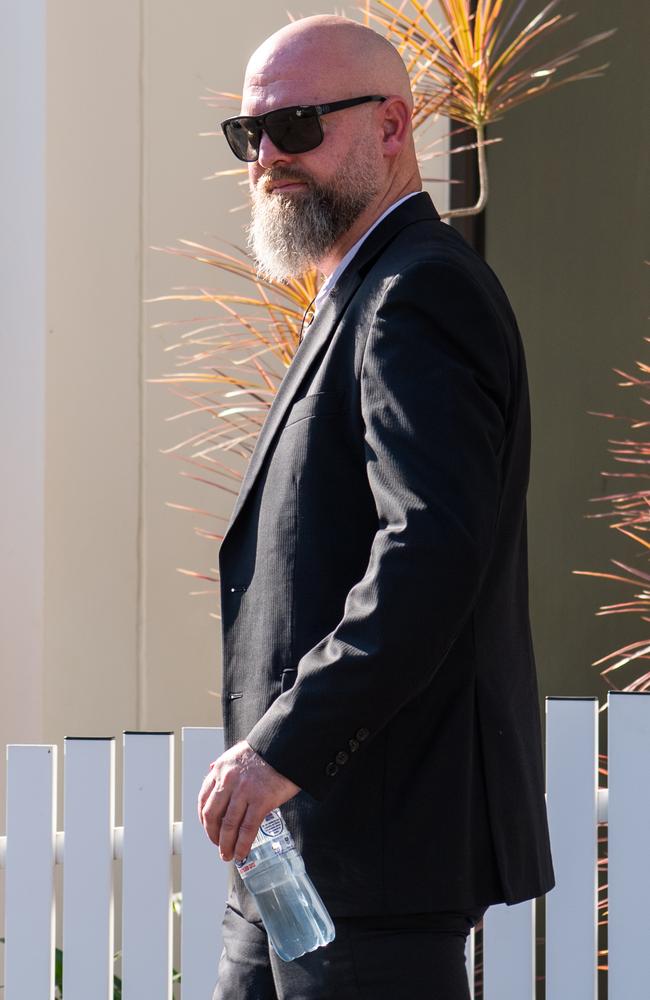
{"x": 369, "y": 215}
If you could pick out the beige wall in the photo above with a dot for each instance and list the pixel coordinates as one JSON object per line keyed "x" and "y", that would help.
{"x": 124, "y": 646}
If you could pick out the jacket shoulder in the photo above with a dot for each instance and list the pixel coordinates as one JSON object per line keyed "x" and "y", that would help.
{"x": 438, "y": 249}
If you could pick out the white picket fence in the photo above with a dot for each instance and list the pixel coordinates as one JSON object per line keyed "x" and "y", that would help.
{"x": 150, "y": 837}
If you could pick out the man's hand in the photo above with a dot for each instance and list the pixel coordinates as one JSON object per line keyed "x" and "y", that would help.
{"x": 236, "y": 794}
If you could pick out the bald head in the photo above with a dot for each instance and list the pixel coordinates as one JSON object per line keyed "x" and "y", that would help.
{"x": 326, "y": 58}
{"x": 311, "y": 205}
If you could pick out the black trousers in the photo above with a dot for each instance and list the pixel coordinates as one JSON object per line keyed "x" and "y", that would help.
{"x": 418, "y": 956}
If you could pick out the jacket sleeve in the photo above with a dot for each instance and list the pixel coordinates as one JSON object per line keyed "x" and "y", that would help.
{"x": 434, "y": 389}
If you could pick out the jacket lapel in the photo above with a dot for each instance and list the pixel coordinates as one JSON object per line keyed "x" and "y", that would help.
{"x": 314, "y": 341}
{"x": 325, "y": 322}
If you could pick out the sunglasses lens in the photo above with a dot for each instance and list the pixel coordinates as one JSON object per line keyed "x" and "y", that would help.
{"x": 294, "y": 131}
{"x": 243, "y": 135}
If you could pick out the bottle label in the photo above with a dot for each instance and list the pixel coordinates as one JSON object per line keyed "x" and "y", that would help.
{"x": 246, "y": 866}
{"x": 273, "y": 831}
{"x": 272, "y": 824}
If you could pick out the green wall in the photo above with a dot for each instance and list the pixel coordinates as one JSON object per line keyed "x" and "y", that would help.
{"x": 567, "y": 226}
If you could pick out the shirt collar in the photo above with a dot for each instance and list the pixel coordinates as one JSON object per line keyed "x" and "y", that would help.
{"x": 331, "y": 279}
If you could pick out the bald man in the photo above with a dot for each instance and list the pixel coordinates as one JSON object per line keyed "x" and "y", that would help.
{"x": 378, "y": 673}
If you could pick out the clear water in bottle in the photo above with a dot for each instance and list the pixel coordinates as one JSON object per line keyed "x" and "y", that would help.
{"x": 292, "y": 912}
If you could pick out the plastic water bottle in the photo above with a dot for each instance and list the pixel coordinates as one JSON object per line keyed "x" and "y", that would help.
{"x": 292, "y": 912}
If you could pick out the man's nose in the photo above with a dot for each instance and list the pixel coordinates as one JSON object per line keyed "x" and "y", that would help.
{"x": 269, "y": 154}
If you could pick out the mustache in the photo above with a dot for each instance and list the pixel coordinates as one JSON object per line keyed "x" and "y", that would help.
{"x": 275, "y": 174}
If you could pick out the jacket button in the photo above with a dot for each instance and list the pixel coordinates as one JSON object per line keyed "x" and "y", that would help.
{"x": 353, "y": 745}
{"x": 331, "y": 769}
{"x": 363, "y": 734}
{"x": 342, "y": 757}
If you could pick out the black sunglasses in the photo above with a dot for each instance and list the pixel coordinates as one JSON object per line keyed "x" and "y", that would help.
{"x": 293, "y": 130}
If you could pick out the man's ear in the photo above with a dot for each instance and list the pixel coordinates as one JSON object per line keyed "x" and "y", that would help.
{"x": 396, "y": 124}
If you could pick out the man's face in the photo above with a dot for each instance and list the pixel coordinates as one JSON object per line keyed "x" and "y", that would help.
{"x": 303, "y": 203}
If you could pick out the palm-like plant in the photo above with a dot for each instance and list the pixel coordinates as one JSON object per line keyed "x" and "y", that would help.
{"x": 466, "y": 68}
{"x": 629, "y": 513}
{"x": 240, "y": 357}
{"x": 469, "y": 68}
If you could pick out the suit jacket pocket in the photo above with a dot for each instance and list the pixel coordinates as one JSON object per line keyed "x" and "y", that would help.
{"x": 316, "y": 404}
{"x": 288, "y": 679}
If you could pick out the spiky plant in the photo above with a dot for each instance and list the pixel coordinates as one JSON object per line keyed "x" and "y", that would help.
{"x": 239, "y": 356}
{"x": 629, "y": 513}
{"x": 468, "y": 67}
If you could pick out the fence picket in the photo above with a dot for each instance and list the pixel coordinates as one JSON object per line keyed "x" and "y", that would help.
{"x": 509, "y": 952}
{"x": 146, "y": 866}
{"x": 571, "y": 907}
{"x": 149, "y": 838}
{"x": 89, "y": 818}
{"x": 29, "y": 876}
{"x": 203, "y": 874}
{"x": 629, "y": 822}
{"x": 470, "y": 962}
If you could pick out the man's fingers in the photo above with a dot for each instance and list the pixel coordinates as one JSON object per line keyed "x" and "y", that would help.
{"x": 248, "y": 831}
{"x": 214, "y": 809}
{"x": 230, "y": 824}
{"x": 236, "y": 795}
{"x": 206, "y": 788}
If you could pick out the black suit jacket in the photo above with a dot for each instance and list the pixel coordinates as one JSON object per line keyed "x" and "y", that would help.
{"x": 374, "y": 586}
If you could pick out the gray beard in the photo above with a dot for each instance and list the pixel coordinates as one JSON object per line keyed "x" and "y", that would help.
{"x": 289, "y": 234}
